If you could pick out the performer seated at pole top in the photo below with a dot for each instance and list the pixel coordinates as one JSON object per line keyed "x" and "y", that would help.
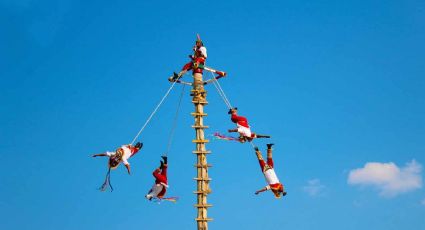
{"x": 122, "y": 154}
{"x": 268, "y": 170}
{"x": 197, "y": 60}
{"x": 243, "y": 128}
{"x": 159, "y": 189}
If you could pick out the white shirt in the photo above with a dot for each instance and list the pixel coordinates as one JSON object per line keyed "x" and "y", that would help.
{"x": 246, "y": 132}
{"x": 203, "y": 51}
{"x": 271, "y": 176}
{"x": 126, "y": 154}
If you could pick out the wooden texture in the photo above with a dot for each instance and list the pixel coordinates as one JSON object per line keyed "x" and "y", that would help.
{"x": 202, "y": 179}
{"x": 200, "y": 126}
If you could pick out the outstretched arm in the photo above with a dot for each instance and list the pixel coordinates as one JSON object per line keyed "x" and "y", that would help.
{"x": 100, "y": 155}
{"x": 261, "y": 190}
{"x": 128, "y": 168}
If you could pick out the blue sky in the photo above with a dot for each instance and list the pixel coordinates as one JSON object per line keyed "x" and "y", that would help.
{"x": 338, "y": 84}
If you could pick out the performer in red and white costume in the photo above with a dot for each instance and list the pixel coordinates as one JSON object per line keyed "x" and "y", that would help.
{"x": 243, "y": 128}
{"x": 197, "y": 61}
{"x": 122, "y": 154}
{"x": 159, "y": 189}
{"x": 268, "y": 170}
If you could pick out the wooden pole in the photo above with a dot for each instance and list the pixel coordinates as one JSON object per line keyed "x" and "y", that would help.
{"x": 202, "y": 179}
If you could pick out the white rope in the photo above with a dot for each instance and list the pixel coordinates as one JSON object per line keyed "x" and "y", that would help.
{"x": 214, "y": 81}
{"x": 220, "y": 92}
{"x": 219, "y": 86}
{"x": 252, "y": 144}
{"x": 153, "y": 113}
{"x": 226, "y": 101}
{"x": 221, "y": 95}
{"x": 173, "y": 128}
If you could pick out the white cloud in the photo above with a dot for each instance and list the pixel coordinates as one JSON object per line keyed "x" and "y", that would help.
{"x": 388, "y": 178}
{"x": 314, "y": 187}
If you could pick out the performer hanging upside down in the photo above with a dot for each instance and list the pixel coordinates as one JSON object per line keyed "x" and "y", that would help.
{"x": 243, "y": 128}
{"x": 268, "y": 170}
{"x": 197, "y": 61}
{"x": 159, "y": 189}
{"x": 122, "y": 154}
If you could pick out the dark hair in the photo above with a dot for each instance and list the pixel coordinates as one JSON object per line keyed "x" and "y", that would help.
{"x": 230, "y": 110}
{"x": 114, "y": 162}
{"x": 138, "y": 145}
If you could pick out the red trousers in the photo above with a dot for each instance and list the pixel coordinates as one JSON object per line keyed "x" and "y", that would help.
{"x": 263, "y": 164}
{"x": 161, "y": 178}
{"x": 189, "y": 65}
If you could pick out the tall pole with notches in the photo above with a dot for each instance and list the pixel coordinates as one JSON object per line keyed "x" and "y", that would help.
{"x": 202, "y": 179}
{"x": 199, "y": 100}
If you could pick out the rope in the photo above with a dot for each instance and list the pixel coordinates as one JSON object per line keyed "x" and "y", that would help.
{"x": 153, "y": 113}
{"x": 171, "y": 135}
{"x": 107, "y": 182}
{"x": 223, "y": 95}
{"x": 221, "y": 92}
{"x": 226, "y": 101}
{"x": 252, "y": 144}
